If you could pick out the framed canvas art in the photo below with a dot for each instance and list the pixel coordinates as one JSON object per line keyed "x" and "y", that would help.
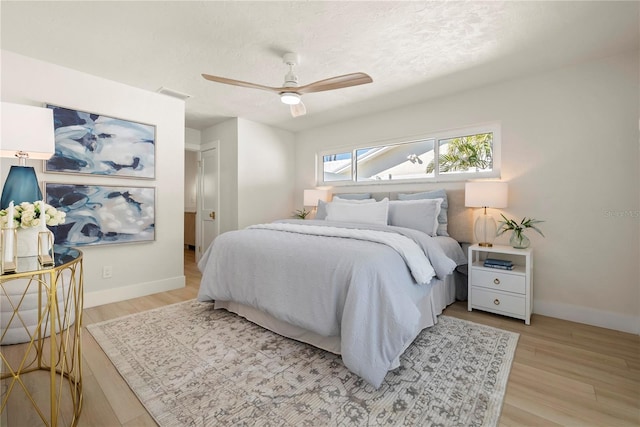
{"x": 94, "y": 144}
{"x": 102, "y": 214}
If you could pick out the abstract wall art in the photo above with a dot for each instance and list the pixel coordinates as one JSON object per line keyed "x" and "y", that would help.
{"x": 94, "y": 144}
{"x": 102, "y": 214}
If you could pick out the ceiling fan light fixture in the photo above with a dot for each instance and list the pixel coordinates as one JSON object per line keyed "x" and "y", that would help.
{"x": 290, "y": 92}
{"x": 290, "y": 98}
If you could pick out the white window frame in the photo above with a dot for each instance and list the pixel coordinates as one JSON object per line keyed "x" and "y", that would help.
{"x": 493, "y": 127}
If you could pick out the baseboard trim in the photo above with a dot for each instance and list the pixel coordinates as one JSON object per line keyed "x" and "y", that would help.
{"x": 92, "y": 299}
{"x": 589, "y": 316}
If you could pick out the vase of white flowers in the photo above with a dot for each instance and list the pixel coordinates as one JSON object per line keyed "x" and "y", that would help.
{"x": 27, "y": 220}
{"x": 518, "y": 239}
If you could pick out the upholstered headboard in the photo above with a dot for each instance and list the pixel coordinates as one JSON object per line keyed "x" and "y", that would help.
{"x": 460, "y": 218}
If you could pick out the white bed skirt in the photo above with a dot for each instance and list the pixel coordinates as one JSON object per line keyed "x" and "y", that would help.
{"x": 442, "y": 294}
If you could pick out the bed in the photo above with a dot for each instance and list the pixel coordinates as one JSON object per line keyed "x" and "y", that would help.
{"x": 361, "y": 280}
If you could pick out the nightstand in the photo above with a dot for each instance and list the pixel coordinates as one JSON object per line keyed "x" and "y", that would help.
{"x": 506, "y": 292}
{"x": 53, "y": 343}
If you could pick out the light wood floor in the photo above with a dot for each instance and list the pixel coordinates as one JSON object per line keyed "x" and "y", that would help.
{"x": 564, "y": 373}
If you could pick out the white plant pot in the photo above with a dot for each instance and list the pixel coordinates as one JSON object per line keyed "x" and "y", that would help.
{"x": 28, "y": 241}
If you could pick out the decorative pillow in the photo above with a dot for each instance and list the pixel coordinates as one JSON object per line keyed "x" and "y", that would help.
{"x": 436, "y": 194}
{"x": 341, "y": 200}
{"x": 421, "y": 215}
{"x": 365, "y": 213}
{"x": 353, "y": 196}
{"x": 321, "y": 211}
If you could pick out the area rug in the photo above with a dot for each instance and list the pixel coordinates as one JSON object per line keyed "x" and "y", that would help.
{"x": 192, "y": 365}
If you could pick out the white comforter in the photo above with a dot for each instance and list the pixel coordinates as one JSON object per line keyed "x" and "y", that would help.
{"x": 413, "y": 255}
{"x": 359, "y": 290}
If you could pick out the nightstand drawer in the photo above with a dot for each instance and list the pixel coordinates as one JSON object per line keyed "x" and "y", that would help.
{"x": 498, "y": 302}
{"x": 498, "y": 280}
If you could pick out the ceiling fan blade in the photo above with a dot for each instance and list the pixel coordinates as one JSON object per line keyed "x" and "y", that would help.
{"x": 240, "y": 83}
{"x": 298, "y": 109}
{"x": 338, "y": 82}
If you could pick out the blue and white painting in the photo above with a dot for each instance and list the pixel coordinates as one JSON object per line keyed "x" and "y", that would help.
{"x": 101, "y": 214}
{"x": 87, "y": 143}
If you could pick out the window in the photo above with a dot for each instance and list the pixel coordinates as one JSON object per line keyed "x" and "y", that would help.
{"x": 394, "y": 162}
{"x": 461, "y": 154}
{"x": 337, "y": 167}
{"x": 465, "y": 154}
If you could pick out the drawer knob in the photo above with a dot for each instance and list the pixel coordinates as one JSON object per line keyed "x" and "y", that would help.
{"x": 496, "y": 301}
{"x": 496, "y": 281}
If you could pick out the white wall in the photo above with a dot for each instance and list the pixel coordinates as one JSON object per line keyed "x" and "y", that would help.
{"x": 265, "y": 173}
{"x": 192, "y": 144}
{"x": 192, "y": 139}
{"x": 138, "y": 269}
{"x": 256, "y": 170}
{"x": 570, "y": 155}
{"x": 190, "y": 180}
{"x": 227, "y": 135}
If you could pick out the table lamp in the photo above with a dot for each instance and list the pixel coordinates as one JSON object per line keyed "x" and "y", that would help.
{"x": 27, "y": 133}
{"x": 485, "y": 194}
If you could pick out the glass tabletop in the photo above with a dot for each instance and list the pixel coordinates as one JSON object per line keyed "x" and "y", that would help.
{"x": 61, "y": 255}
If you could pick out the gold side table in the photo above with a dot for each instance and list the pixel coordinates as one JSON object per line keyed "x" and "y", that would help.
{"x": 41, "y": 378}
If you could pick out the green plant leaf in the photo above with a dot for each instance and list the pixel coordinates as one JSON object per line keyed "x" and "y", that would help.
{"x": 301, "y": 213}
{"x": 509, "y": 224}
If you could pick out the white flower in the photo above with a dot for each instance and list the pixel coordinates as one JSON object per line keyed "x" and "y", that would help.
{"x": 4, "y": 220}
{"x": 28, "y": 215}
{"x": 27, "y": 218}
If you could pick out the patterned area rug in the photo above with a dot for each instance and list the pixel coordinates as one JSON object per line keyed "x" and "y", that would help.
{"x": 192, "y": 365}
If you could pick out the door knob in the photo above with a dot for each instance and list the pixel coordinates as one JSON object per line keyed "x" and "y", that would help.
{"x": 212, "y": 215}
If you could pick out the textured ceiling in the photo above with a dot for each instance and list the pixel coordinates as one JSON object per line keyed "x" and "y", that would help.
{"x": 413, "y": 50}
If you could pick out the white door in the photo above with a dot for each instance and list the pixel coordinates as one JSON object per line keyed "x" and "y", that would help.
{"x": 207, "y": 199}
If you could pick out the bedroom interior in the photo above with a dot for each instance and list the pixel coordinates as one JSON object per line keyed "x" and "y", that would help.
{"x": 569, "y": 151}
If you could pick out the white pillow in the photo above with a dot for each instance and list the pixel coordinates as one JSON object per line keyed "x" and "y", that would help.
{"x": 354, "y": 196}
{"x": 436, "y": 194}
{"x": 364, "y": 213}
{"x": 419, "y": 215}
{"x": 339, "y": 200}
{"x": 321, "y": 211}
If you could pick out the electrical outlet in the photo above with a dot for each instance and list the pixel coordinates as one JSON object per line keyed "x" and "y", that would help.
{"x": 107, "y": 272}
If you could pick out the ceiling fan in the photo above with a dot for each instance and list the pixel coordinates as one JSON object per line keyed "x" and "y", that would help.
{"x": 290, "y": 93}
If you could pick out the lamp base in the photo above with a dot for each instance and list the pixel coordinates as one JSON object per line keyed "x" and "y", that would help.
{"x": 21, "y": 186}
{"x": 485, "y": 230}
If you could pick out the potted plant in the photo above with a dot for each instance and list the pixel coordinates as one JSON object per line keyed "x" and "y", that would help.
{"x": 301, "y": 213}
{"x": 518, "y": 239}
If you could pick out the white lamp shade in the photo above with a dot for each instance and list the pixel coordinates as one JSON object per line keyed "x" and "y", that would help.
{"x": 489, "y": 194}
{"x": 311, "y": 197}
{"x": 28, "y": 129}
